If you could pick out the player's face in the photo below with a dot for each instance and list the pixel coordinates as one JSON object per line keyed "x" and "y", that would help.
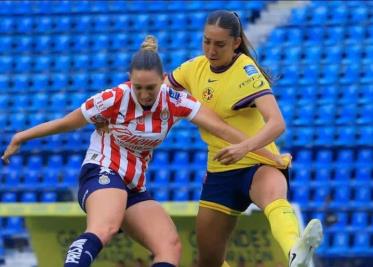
{"x": 146, "y": 85}
{"x": 219, "y": 46}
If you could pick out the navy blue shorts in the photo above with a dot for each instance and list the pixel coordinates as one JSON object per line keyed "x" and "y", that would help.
{"x": 228, "y": 191}
{"x": 95, "y": 177}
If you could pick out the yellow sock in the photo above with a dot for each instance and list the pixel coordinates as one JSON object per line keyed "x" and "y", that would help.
{"x": 284, "y": 223}
{"x": 225, "y": 264}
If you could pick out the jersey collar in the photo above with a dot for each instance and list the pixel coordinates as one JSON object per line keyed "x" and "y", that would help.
{"x": 138, "y": 105}
{"x": 224, "y": 68}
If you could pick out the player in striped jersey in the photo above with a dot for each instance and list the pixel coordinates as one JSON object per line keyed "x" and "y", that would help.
{"x": 228, "y": 80}
{"x": 112, "y": 188}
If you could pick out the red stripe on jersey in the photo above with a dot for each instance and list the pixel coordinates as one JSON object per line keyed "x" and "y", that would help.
{"x": 130, "y": 115}
{"x": 140, "y": 124}
{"x": 156, "y": 118}
{"x": 171, "y": 107}
{"x": 179, "y": 111}
{"x": 113, "y": 111}
{"x": 140, "y": 184}
{"x": 89, "y": 104}
{"x": 102, "y": 148}
{"x": 115, "y": 155}
{"x": 131, "y": 167}
{"x": 107, "y": 95}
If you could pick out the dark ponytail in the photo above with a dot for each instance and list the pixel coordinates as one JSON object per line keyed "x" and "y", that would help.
{"x": 230, "y": 21}
{"x": 147, "y": 58}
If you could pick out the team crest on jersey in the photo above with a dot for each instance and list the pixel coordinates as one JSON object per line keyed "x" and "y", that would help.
{"x": 208, "y": 94}
{"x": 165, "y": 114}
{"x": 103, "y": 180}
{"x": 250, "y": 70}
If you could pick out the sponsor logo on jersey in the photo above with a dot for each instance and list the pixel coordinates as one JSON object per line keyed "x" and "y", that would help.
{"x": 250, "y": 70}
{"x": 208, "y": 94}
{"x": 257, "y": 81}
{"x": 127, "y": 139}
{"x": 173, "y": 94}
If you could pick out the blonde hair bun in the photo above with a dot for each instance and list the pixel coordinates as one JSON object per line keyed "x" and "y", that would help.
{"x": 150, "y": 43}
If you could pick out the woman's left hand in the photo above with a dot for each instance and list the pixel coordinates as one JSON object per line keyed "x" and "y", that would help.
{"x": 231, "y": 154}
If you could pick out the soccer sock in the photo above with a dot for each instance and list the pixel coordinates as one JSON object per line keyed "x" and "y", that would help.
{"x": 284, "y": 223}
{"x": 163, "y": 264}
{"x": 83, "y": 251}
{"x": 225, "y": 264}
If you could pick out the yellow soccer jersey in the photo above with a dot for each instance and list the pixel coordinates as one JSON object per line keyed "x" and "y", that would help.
{"x": 230, "y": 92}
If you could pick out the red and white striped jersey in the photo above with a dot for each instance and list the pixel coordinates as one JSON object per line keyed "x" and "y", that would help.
{"x": 134, "y": 132}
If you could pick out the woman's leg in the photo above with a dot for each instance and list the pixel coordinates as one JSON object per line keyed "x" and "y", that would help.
{"x": 149, "y": 224}
{"x": 105, "y": 210}
{"x": 214, "y": 229}
{"x": 269, "y": 192}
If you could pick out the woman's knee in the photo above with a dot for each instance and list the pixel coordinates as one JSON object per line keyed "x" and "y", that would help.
{"x": 169, "y": 248}
{"x": 104, "y": 232}
{"x": 268, "y": 185}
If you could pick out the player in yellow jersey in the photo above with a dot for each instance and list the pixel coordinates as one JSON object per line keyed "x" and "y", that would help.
{"x": 228, "y": 80}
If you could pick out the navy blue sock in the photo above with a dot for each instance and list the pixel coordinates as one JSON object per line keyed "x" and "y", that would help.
{"x": 163, "y": 264}
{"x": 83, "y": 251}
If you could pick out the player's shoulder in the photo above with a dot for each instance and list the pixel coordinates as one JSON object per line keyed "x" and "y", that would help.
{"x": 196, "y": 60}
{"x": 246, "y": 66}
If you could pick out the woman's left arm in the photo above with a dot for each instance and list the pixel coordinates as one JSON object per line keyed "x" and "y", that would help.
{"x": 274, "y": 127}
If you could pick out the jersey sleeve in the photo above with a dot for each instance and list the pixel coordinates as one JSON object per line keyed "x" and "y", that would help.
{"x": 183, "y": 105}
{"x": 253, "y": 85}
{"x": 102, "y": 107}
{"x": 179, "y": 77}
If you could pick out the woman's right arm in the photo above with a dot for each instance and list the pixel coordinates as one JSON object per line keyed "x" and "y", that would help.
{"x": 71, "y": 121}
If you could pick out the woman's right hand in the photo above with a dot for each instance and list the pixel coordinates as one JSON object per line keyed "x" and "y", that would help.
{"x": 12, "y": 148}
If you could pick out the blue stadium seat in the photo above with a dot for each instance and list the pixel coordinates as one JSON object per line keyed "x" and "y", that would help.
{"x": 21, "y": 103}
{"x": 182, "y": 176}
{"x": 303, "y": 136}
{"x": 50, "y": 178}
{"x": 160, "y": 159}
{"x": 18, "y": 122}
{"x": 350, "y": 73}
{"x": 101, "y": 22}
{"x": 324, "y": 136}
{"x": 343, "y": 156}
{"x": 340, "y": 243}
{"x": 277, "y": 36}
{"x": 162, "y": 176}
{"x": 74, "y": 161}
{"x": 360, "y": 14}
{"x": 365, "y": 114}
{"x": 28, "y": 197}
{"x": 313, "y": 54}
{"x": 324, "y": 158}
{"x": 61, "y": 43}
{"x": 9, "y": 197}
{"x": 23, "y": 63}
{"x": 339, "y": 15}
{"x": 80, "y": 62}
{"x": 334, "y": 54}
{"x": 53, "y": 141}
{"x": 39, "y": 102}
{"x": 364, "y": 157}
{"x": 58, "y": 102}
{"x": 98, "y": 81}
{"x": 346, "y": 136}
{"x": 80, "y": 43}
{"x": 362, "y": 197}
{"x": 34, "y": 162}
{"x": 48, "y": 197}
{"x": 119, "y": 22}
{"x": 20, "y": 82}
{"x": 301, "y": 175}
{"x": 40, "y": 82}
{"x": 319, "y": 15}
{"x": 69, "y": 178}
{"x": 323, "y": 174}
{"x": 83, "y": 23}
{"x": 359, "y": 220}
{"x": 11, "y": 180}
{"x": 180, "y": 158}
{"x": 342, "y": 174}
{"x": 291, "y": 55}
{"x": 334, "y": 35}
{"x": 6, "y": 44}
{"x": 44, "y": 24}
{"x": 161, "y": 194}
{"x": 325, "y": 115}
{"x": 361, "y": 243}
{"x": 13, "y": 226}
{"x": 363, "y": 174}
{"x": 31, "y": 179}
{"x": 295, "y": 35}
{"x": 196, "y": 192}
{"x": 304, "y": 115}
{"x": 355, "y": 34}
{"x": 365, "y": 136}
{"x": 199, "y": 175}
{"x": 309, "y": 74}
{"x": 119, "y": 41}
{"x": 301, "y": 195}
{"x": 313, "y": 35}
{"x": 302, "y": 158}
{"x": 180, "y": 193}
{"x": 42, "y": 43}
{"x": 196, "y": 21}
{"x": 341, "y": 197}
{"x": 199, "y": 159}
{"x": 99, "y": 42}
{"x": 321, "y": 196}
{"x": 24, "y": 25}
{"x": 5, "y": 64}
{"x": 341, "y": 221}
{"x": 299, "y": 16}
{"x": 329, "y": 76}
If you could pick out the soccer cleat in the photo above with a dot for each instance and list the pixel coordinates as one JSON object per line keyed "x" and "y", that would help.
{"x": 301, "y": 254}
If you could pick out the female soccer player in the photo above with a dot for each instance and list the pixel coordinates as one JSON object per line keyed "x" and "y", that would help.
{"x": 228, "y": 80}
{"x": 112, "y": 181}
